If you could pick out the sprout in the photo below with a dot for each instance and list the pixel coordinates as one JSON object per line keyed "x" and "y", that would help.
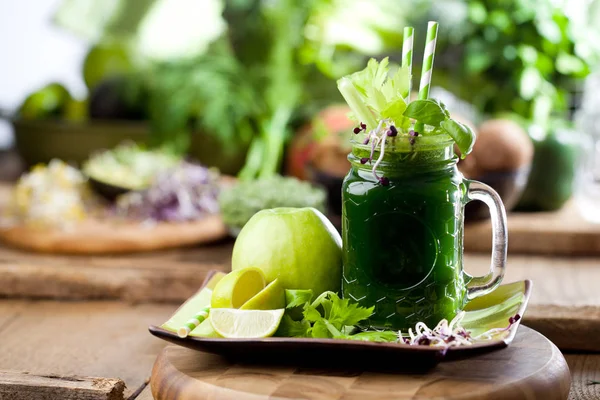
{"x": 451, "y": 334}
{"x": 365, "y": 160}
{"x": 392, "y": 132}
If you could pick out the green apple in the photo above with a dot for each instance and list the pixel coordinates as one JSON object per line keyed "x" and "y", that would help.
{"x": 297, "y": 246}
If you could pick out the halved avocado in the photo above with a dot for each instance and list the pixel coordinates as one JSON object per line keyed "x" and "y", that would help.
{"x": 124, "y": 169}
{"x": 107, "y": 190}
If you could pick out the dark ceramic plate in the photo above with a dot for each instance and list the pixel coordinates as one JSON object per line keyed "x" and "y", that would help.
{"x": 482, "y": 314}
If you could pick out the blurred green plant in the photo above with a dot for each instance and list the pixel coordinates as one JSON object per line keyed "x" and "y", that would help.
{"x": 520, "y": 55}
{"x": 271, "y": 70}
{"x": 273, "y": 66}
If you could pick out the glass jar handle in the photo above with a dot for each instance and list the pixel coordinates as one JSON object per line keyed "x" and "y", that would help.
{"x": 480, "y": 285}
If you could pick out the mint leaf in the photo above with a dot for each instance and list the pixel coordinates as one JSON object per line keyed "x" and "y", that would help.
{"x": 463, "y": 135}
{"x": 295, "y": 298}
{"x": 290, "y": 328}
{"x": 427, "y": 111}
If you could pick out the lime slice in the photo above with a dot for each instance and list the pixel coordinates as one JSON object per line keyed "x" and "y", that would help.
{"x": 270, "y": 298}
{"x": 245, "y": 324}
{"x": 238, "y": 287}
{"x": 205, "y": 329}
{"x": 194, "y": 304}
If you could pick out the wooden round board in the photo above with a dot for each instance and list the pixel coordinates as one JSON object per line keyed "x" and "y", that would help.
{"x": 105, "y": 237}
{"x": 532, "y": 367}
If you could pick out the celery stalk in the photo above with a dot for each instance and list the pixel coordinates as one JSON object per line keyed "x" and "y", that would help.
{"x": 358, "y": 107}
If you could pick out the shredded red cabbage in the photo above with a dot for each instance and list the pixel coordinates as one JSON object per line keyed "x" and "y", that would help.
{"x": 185, "y": 193}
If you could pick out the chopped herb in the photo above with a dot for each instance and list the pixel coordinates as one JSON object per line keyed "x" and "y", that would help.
{"x": 328, "y": 316}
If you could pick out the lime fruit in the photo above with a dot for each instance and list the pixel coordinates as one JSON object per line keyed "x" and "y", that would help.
{"x": 49, "y": 101}
{"x": 270, "y": 298}
{"x": 237, "y": 287}
{"x": 297, "y": 246}
{"x": 105, "y": 60}
{"x": 245, "y": 324}
{"x": 205, "y": 329}
{"x": 194, "y": 304}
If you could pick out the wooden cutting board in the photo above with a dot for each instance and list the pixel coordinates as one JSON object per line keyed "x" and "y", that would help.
{"x": 560, "y": 232}
{"x": 530, "y": 368}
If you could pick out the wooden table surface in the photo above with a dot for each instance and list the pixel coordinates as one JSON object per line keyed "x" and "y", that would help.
{"x": 110, "y": 339}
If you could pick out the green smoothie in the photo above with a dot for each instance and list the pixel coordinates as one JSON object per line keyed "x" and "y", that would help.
{"x": 403, "y": 240}
{"x": 403, "y": 200}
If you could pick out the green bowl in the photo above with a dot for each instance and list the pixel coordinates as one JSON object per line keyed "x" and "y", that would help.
{"x": 39, "y": 141}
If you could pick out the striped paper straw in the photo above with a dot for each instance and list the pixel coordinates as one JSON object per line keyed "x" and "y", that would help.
{"x": 407, "y": 55}
{"x": 432, "y": 29}
{"x": 196, "y": 320}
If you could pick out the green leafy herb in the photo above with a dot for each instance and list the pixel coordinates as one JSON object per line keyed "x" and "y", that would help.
{"x": 328, "y": 316}
{"x": 463, "y": 135}
{"x": 427, "y": 111}
{"x": 294, "y": 298}
{"x": 374, "y": 94}
{"x": 434, "y": 113}
{"x": 290, "y": 328}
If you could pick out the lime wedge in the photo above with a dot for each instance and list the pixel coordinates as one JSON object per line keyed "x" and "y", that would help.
{"x": 238, "y": 287}
{"x": 194, "y": 304}
{"x": 205, "y": 329}
{"x": 270, "y": 298}
{"x": 245, "y": 324}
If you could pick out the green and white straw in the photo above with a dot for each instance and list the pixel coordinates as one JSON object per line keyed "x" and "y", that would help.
{"x": 407, "y": 55}
{"x": 432, "y": 29}
{"x": 196, "y": 320}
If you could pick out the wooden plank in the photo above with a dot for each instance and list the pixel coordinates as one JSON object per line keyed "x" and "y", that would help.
{"x": 562, "y": 232}
{"x": 565, "y": 301}
{"x": 9, "y": 310}
{"x": 562, "y": 281}
{"x": 24, "y": 386}
{"x": 103, "y": 339}
{"x": 162, "y": 276}
{"x": 570, "y": 328}
{"x": 584, "y": 369}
